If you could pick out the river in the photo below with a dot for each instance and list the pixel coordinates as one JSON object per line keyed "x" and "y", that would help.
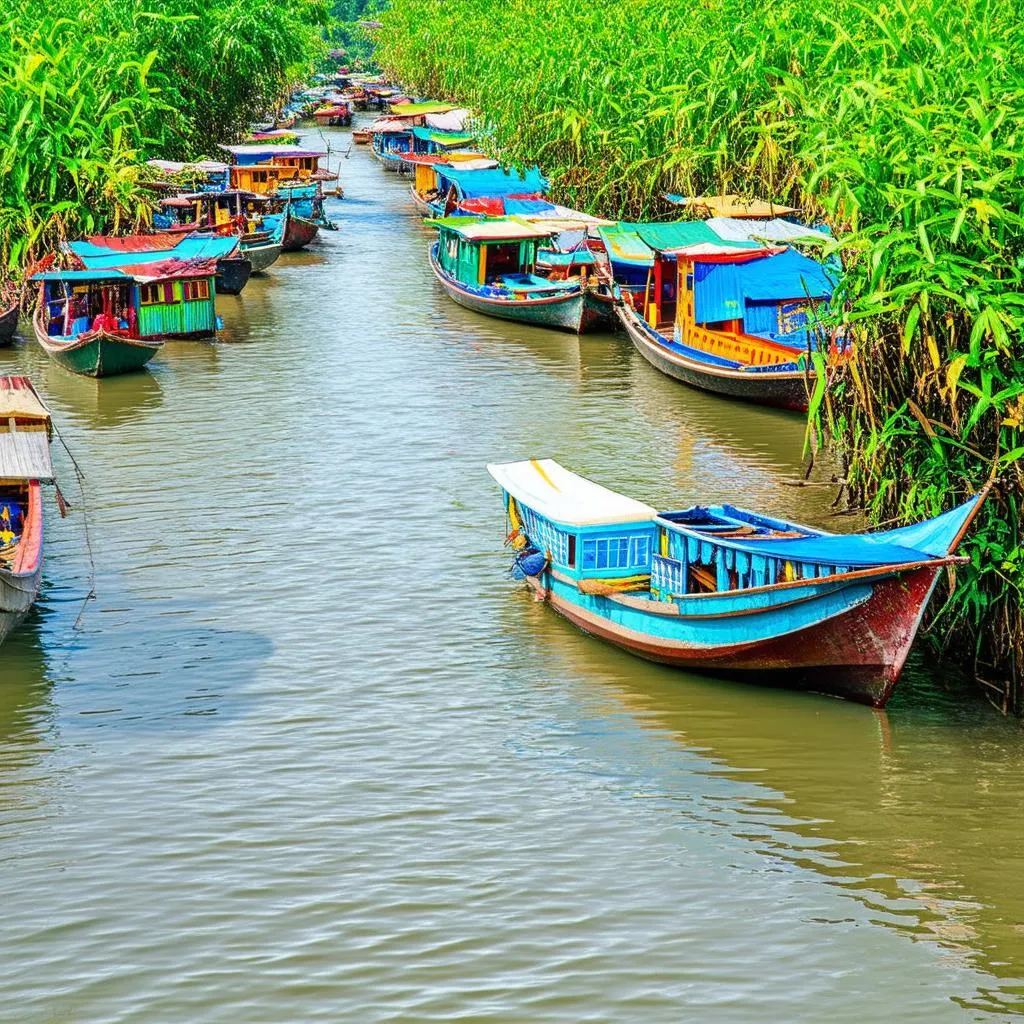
{"x": 310, "y": 755}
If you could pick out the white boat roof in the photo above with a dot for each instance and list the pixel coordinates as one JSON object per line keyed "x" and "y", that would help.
{"x": 554, "y": 492}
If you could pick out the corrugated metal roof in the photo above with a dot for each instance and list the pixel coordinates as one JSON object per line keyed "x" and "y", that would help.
{"x": 25, "y": 455}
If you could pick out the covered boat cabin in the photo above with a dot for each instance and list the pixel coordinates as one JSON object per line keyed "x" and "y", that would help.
{"x": 747, "y": 300}
{"x": 259, "y": 168}
{"x": 499, "y": 253}
{"x": 233, "y": 208}
{"x": 608, "y": 542}
{"x": 431, "y": 140}
{"x": 139, "y": 295}
{"x": 25, "y": 430}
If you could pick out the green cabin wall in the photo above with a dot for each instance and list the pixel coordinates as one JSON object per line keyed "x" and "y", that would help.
{"x": 198, "y": 317}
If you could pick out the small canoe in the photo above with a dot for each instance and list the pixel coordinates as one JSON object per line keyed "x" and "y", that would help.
{"x": 720, "y": 589}
{"x": 24, "y": 465}
{"x": 361, "y": 137}
{"x": 96, "y": 353}
{"x": 232, "y": 275}
{"x": 9, "y": 324}
{"x": 298, "y": 232}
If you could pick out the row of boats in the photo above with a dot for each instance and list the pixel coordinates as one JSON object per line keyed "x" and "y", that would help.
{"x": 105, "y": 305}
{"x": 732, "y": 297}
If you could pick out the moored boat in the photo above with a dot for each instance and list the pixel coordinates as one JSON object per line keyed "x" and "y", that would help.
{"x": 24, "y": 466}
{"x": 361, "y": 136}
{"x": 9, "y": 322}
{"x": 730, "y": 315}
{"x": 724, "y": 590}
{"x": 81, "y": 323}
{"x": 489, "y": 266}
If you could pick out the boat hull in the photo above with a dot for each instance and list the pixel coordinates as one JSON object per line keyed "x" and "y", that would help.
{"x": 8, "y": 324}
{"x": 298, "y": 233}
{"x": 854, "y": 646}
{"x": 262, "y": 256}
{"x": 361, "y": 138}
{"x": 19, "y": 584}
{"x": 232, "y": 275}
{"x": 97, "y": 353}
{"x": 784, "y": 390}
{"x": 566, "y": 312}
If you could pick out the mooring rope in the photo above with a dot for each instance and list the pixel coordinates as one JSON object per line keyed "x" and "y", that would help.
{"x": 63, "y": 505}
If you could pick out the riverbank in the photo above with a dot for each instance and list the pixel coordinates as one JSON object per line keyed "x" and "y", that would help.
{"x": 887, "y": 129}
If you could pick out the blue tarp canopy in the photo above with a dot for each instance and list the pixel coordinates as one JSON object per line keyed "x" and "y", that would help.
{"x": 722, "y": 290}
{"x": 493, "y": 182}
{"x": 920, "y": 542}
{"x": 72, "y": 276}
{"x": 208, "y": 247}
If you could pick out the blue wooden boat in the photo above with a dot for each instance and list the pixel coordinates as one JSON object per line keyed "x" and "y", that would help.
{"x": 732, "y": 316}
{"x": 488, "y": 265}
{"x": 725, "y": 590}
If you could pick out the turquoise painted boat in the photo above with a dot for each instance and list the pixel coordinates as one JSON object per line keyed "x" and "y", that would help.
{"x": 488, "y": 265}
{"x": 721, "y": 589}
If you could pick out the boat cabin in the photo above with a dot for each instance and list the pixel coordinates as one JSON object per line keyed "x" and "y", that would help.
{"x": 606, "y": 541}
{"x": 164, "y": 297}
{"x": 25, "y": 431}
{"x": 260, "y": 167}
{"x": 486, "y": 252}
{"x": 237, "y": 208}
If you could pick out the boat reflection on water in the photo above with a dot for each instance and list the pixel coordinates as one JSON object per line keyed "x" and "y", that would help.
{"x": 834, "y": 788}
{"x": 101, "y": 404}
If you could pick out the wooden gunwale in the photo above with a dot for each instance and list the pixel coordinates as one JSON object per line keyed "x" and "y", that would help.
{"x": 879, "y": 573}
{"x": 635, "y": 325}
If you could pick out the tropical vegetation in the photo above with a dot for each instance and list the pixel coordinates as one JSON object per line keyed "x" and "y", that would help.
{"x": 900, "y": 125}
{"x": 89, "y": 89}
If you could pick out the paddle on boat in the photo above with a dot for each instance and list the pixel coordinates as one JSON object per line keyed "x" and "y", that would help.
{"x": 725, "y": 590}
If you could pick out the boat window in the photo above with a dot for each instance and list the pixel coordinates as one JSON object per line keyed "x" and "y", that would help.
{"x": 616, "y": 552}
{"x": 195, "y": 291}
{"x": 157, "y": 294}
{"x": 546, "y": 536}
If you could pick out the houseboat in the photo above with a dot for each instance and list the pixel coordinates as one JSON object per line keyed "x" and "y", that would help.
{"x": 489, "y": 265}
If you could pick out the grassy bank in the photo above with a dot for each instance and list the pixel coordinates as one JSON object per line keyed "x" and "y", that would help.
{"x": 89, "y": 89}
{"x": 903, "y": 127}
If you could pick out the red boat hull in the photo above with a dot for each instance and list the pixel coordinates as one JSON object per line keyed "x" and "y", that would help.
{"x": 857, "y": 655}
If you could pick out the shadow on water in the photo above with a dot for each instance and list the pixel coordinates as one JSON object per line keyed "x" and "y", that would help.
{"x": 914, "y": 812}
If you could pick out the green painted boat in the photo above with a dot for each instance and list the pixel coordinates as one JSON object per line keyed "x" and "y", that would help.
{"x": 79, "y": 322}
{"x": 96, "y": 353}
{"x": 488, "y": 265}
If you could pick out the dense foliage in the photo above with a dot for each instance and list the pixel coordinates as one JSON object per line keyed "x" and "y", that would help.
{"x": 346, "y": 31}
{"x": 91, "y": 88}
{"x": 902, "y": 125}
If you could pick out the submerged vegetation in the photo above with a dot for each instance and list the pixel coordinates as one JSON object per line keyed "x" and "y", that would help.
{"x": 901, "y": 126}
{"x": 89, "y": 89}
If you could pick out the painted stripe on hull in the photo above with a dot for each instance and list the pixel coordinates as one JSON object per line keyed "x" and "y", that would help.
{"x": 785, "y": 390}
{"x": 261, "y": 256}
{"x": 856, "y": 652}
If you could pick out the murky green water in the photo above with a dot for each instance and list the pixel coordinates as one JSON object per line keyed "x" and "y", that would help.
{"x": 310, "y": 755}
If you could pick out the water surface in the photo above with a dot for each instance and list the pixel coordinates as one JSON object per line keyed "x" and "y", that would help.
{"x": 310, "y": 755}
